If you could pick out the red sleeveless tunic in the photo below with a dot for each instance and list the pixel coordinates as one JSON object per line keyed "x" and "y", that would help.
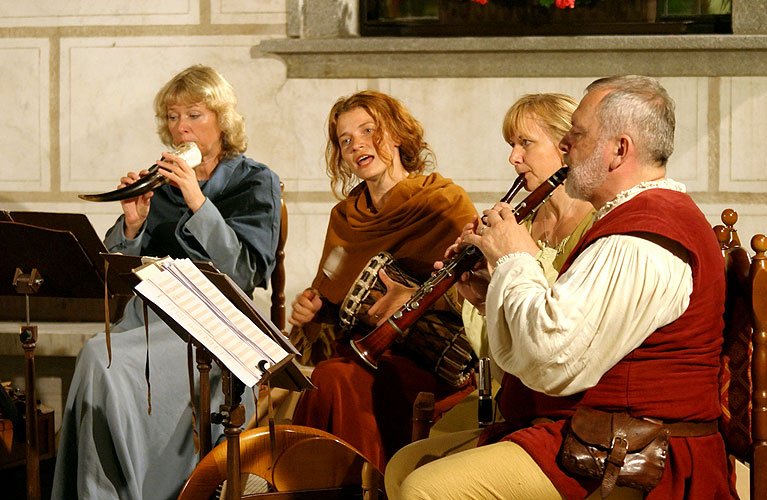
{"x": 671, "y": 376}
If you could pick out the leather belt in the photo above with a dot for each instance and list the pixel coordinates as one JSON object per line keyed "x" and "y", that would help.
{"x": 676, "y": 429}
{"x": 692, "y": 429}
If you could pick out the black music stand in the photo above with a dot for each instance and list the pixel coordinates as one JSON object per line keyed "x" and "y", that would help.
{"x": 66, "y": 251}
{"x": 285, "y": 374}
{"x": 49, "y": 270}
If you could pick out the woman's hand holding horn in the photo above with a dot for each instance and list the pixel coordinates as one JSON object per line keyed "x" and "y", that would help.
{"x": 135, "y": 209}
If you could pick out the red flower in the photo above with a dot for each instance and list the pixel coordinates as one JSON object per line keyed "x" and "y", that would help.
{"x": 483, "y": 2}
{"x": 563, "y": 4}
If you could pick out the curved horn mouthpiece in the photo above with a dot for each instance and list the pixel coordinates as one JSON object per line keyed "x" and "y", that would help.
{"x": 151, "y": 181}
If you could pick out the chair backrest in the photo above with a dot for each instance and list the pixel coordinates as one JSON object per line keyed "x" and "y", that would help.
{"x": 277, "y": 280}
{"x": 292, "y": 459}
{"x": 276, "y": 315}
{"x": 743, "y": 376}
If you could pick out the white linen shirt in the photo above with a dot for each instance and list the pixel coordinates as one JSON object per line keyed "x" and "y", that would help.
{"x": 561, "y": 339}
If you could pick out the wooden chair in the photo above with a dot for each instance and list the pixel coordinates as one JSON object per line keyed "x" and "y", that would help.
{"x": 743, "y": 377}
{"x": 298, "y": 463}
{"x": 277, "y": 316}
{"x": 277, "y": 280}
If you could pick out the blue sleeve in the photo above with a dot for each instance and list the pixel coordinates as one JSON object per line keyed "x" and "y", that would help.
{"x": 238, "y": 232}
{"x": 116, "y": 242}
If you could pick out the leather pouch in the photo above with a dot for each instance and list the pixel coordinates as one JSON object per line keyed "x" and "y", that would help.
{"x": 616, "y": 448}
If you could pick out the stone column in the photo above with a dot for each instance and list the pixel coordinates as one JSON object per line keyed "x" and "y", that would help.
{"x": 749, "y": 17}
{"x": 329, "y": 18}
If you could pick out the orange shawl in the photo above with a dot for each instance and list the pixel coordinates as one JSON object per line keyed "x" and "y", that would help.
{"x": 422, "y": 217}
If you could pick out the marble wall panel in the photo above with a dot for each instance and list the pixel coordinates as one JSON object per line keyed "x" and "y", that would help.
{"x": 743, "y": 110}
{"x": 299, "y": 131}
{"x": 689, "y": 163}
{"x": 248, "y": 12}
{"x": 24, "y": 99}
{"x": 107, "y": 89}
{"x": 98, "y": 12}
{"x": 463, "y": 118}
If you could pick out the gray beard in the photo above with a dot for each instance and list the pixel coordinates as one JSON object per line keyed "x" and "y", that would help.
{"x": 584, "y": 178}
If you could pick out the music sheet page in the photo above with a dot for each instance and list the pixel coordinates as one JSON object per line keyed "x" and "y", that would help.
{"x": 190, "y": 299}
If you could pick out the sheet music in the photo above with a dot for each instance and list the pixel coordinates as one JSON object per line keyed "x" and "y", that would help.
{"x": 189, "y": 298}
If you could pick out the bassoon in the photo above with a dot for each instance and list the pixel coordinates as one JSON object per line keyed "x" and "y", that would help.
{"x": 371, "y": 346}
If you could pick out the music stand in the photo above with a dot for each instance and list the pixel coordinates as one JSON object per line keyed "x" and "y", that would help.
{"x": 49, "y": 270}
{"x": 285, "y": 374}
{"x": 66, "y": 251}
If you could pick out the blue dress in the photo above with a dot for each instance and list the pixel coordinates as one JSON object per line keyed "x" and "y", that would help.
{"x": 109, "y": 447}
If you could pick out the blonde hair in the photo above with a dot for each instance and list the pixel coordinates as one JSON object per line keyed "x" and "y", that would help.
{"x": 553, "y": 113}
{"x": 391, "y": 117}
{"x": 206, "y": 85}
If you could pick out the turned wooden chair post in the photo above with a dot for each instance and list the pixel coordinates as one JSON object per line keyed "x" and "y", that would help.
{"x": 758, "y": 279}
{"x": 730, "y": 217}
{"x": 204, "y": 360}
{"x": 277, "y": 312}
{"x": 232, "y": 415}
{"x": 743, "y": 378}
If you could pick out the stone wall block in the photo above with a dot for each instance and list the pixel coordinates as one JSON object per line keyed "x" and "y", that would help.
{"x": 107, "y": 88}
{"x": 99, "y": 13}
{"x": 248, "y": 12}
{"x": 689, "y": 162}
{"x": 24, "y": 98}
{"x": 743, "y": 109}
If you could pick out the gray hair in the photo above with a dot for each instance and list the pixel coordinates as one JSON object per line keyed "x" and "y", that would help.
{"x": 640, "y": 107}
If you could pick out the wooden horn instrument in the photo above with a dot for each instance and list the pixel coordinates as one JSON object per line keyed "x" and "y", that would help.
{"x": 152, "y": 180}
{"x": 371, "y": 346}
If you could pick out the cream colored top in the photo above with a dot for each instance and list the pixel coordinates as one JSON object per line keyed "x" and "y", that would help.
{"x": 561, "y": 338}
{"x": 550, "y": 259}
{"x": 474, "y": 321}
